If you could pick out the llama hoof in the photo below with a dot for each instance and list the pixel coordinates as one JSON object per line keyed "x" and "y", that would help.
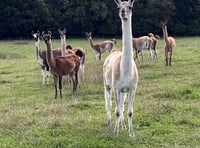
{"x": 131, "y": 134}
{"x": 116, "y": 133}
{"x": 123, "y": 127}
{"x": 109, "y": 123}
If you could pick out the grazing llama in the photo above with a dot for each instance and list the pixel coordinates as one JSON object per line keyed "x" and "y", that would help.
{"x": 170, "y": 44}
{"x": 100, "y": 48}
{"x": 120, "y": 72}
{"x": 62, "y": 65}
{"x": 41, "y": 58}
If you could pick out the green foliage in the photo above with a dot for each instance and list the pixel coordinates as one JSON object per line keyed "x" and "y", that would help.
{"x": 19, "y": 18}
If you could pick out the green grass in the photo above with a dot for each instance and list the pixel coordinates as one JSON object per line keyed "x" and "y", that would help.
{"x": 166, "y": 108}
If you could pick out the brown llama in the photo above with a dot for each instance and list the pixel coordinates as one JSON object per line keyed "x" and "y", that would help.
{"x": 100, "y": 48}
{"x": 154, "y": 42}
{"x": 170, "y": 44}
{"x": 62, "y": 65}
{"x": 81, "y": 52}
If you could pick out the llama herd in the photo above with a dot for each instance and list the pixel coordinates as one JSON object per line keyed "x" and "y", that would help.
{"x": 120, "y": 74}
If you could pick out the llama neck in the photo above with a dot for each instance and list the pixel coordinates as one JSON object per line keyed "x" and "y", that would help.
{"x": 38, "y": 51}
{"x": 49, "y": 51}
{"x": 91, "y": 42}
{"x": 63, "y": 45}
{"x": 127, "y": 52}
{"x": 165, "y": 34}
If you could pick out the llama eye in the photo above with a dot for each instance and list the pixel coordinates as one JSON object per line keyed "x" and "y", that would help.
{"x": 130, "y": 7}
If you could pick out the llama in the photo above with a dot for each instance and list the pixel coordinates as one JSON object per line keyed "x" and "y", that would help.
{"x": 63, "y": 43}
{"x": 62, "y": 65}
{"x": 100, "y": 48}
{"x": 41, "y": 58}
{"x": 120, "y": 72}
{"x": 63, "y": 49}
{"x": 81, "y": 52}
{"x": 141, "y": 43}
{"x": 155, "y": 39}
{"x": 170, "y": 44}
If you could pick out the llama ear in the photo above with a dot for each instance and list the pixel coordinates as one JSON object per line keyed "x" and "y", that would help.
{"x": 64, "y": 30}
{"x": 117, "y": 2}
{"x": 43, "y": 34}
{"x": 38, "y": 32}
{"x": 59, "y": 30}
{"x": 132, "y": 3}
{"x": 49, "y": 32}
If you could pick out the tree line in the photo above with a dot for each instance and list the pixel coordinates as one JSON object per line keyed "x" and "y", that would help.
{"x": 19, "y": 17}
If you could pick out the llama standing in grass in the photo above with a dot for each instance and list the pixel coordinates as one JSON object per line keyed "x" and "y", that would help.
{"x": 81, "y": 52}
{"x": 120, "y": 72}
{"x": 62, "y": 65}
{"x": 100, "y": 48}
{"x": 154, "y": 46}
{"x": 39, "y": 55}
{"x": 64, "y": 51}
{"x": 141, "y": 43}
{"x": 170, "y": 44}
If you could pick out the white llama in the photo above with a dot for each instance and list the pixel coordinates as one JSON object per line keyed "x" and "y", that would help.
{"x": 120, "y": 72}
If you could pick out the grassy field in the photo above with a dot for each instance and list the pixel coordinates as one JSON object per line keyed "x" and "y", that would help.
{"x": 166, "y": 107}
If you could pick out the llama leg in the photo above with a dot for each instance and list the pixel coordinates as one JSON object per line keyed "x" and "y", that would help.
{"x": 55, "y": 84}
{"x": 81, "y": 70}
{"x": 122, "y": 111}
{"x": 60, "y": 85}
{"x": 48, "y": 76}
{"x": 155, "y": 54}
{"x": 136, "y": 55}
{"x": 150, "y": 55}
{"x": 170, "y": 59}
{"x": 100, "y": 57}
{"x": 108, "y": 102}
{"x": 131, "y": 96}
{"x": 142, "y": 55}
{"x": 73, "y": 81}
{"x": 117, "y": 112}
{"x": 43, "y": 76}
{"x": 76, "y": 79}
{"x": 166, "y": 58}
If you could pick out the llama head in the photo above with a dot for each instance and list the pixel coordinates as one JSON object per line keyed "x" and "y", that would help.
{"x": 36, "y": 36}
{"x": 114, "y": 41}
{"x": 157, "y": 36}
{"x": 89, "y": 35}
{"x": 46, "y": 37}
{"x": 164, "y": 23}
{"x": 62, "y": 33}
{"x": 150, "y": 35}
{"x": 125, "y": 8}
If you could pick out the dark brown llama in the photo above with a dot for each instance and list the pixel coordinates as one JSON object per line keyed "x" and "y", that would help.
{"x": 62, "y": 65}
